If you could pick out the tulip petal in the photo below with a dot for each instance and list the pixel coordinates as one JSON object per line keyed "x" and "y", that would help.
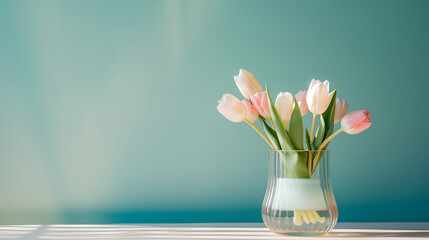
{"x": 362, "y": 127}
{"x": 301, "y": 97}
{"x": 285, "y": 105}
{"x": 341, "y": 108}
{"x": 247, "y": 83}
{"x": 318, "y": 96}
{"x": 259, "y": 100}
{"x": 326, "y": 83}
{"x": 241, "y": 86}
{"x": 264, "y": 105}
{"x": 252, "y": 114}
{"x": 232, "y": 108}
{"x": 356, "y": 122}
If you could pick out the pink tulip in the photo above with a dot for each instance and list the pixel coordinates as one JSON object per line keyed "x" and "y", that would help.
{"x": 260, "y": 101}
{"x": 356, "y": 122}
{"x": 252, "y": 114}
{"x": 301, "y": 98}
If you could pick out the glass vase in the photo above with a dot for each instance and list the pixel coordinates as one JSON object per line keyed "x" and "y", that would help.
{"x": 299, "y": 205}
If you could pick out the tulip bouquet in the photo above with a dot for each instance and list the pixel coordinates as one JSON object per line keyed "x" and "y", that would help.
{"x": 282, "y": 121}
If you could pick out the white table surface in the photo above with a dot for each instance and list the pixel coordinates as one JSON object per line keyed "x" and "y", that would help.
{"x": 220, "y": 231}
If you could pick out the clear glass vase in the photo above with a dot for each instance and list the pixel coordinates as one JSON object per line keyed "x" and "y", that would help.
{"x": 299, "y": 205}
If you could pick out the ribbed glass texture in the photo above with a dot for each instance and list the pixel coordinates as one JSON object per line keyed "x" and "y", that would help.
{"x": 299, "y": 206}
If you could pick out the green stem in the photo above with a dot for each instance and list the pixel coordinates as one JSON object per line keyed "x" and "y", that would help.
{"x": 323, "y": 145}
{"x": 260, "y": 133}
{"x": 310, "y": 154}
{"x": 312, "y": 128}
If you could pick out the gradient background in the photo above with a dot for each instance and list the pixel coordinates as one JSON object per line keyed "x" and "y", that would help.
{"x": 108, "y": 108}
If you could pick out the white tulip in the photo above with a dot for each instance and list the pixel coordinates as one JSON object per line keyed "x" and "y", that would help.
{"x": 284, "y": 105}
{"x": 247, "y": 83}
{"x": 232, "y": 108}
{"x": 341, "y": 108}
{"x": 318, "y": 96}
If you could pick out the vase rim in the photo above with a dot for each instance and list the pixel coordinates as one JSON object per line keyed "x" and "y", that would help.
{"x": 297, "y": 150}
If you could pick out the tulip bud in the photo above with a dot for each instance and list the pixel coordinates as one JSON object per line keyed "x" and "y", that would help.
{"x": 252, "y": 114}
{"x": 318, "y": 97}
{"x": 232, "y": 108}
{"x": 260, "y": 101}
{"x": 341, "y": 108}
{"x": 302, "y": 101}
{"x": 356, "y": 122}
{"x": 247, "y": 83}
{"x": 284, "y": 105}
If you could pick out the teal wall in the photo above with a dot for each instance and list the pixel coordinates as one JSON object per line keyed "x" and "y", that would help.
{"x": 108, "y": 108}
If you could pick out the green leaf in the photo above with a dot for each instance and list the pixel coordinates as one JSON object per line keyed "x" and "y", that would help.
{"x": 329, "y": 116}
{"x": 282, "y": 135}
{"x": 270, "y": 133}
{"x": 307, "y": 140}
{"x": 295, "y": 128}
{"x": 296, "y": 162}
{"x": 320, "y": 133}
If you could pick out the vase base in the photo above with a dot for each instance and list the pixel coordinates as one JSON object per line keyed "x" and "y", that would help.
{"x": 300, "y": 233}
{"x": 298, "y": 223}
